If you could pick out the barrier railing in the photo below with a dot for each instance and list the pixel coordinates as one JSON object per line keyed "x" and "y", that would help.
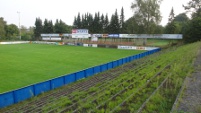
{"x": 15, "y": 96}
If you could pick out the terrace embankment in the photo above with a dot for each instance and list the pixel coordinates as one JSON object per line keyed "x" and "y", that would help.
{"x": 191, "y": 97}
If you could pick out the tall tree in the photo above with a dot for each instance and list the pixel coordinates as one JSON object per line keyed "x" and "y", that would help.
{"x": 182, "y": 20}
{"x": 171, "y": 26}
{"x": 182, "y": 17}
{"x": 193, "y": 33}
{"x": 147, "y": 13}
{"x": 102, "y": 20}
{"x": 194, "y": 6}
{"x": 51, "y": 26}
{"x": 90, "y": 23}
{"x": 75, "y": 22}
{"x": 79, "y": 24}
{"x": 114, "y": 23}
{"x": 26, "y": 33}
{"x": 12, "y": 32}
{"x": 106, "y": 24}
{"x": 61, "y": 27}
{"x": 96, "y": 23}
{"x": 46, "y": 26}
{"x": 122, "y": 23}
{"x": 57, "y": 27}
{"x": 84, "y": 21}
{"x": 2, "y": 28}
{"x": 171, "y": 16}
{"x": 133, "y": 27}
{"x": 38, "y": 29}
{"x": 159, "y": 29}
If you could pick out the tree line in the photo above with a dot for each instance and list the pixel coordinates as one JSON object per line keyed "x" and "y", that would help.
{"x": 145, "y": 20}
{"x": 12, "y": 32}
{"x": 48, "y": 27}
{"x": 7, "y": 32}
{"x": 101, "y": 23}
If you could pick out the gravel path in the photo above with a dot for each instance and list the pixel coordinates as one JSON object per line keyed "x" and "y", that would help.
{"x": 190, "y": 102}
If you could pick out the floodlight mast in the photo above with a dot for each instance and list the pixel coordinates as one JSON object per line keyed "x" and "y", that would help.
{"x": 19, "y": 25}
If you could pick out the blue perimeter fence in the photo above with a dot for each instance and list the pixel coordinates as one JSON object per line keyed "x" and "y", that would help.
{"x": 15, "y": 96}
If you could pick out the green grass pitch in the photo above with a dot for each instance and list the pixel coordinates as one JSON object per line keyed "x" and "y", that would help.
{"x": 25, "y": 64}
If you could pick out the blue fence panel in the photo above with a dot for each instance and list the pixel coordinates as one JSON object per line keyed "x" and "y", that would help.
{"x": 144, "y": 54}
{"x": 115, "y": 64}
{"x": 147, "y": 53}
{"x": 89, "y": 72}
{"x": 57, "y": 82}
{"x": 141, "y": 55}
{"x": 104, "y": 67}
{"x": 124, "y": 60}
{"x": 69, "y": 78}
{"x": 110, "y": 65}
{"x": 42, "y": 87}
{"x": 138, "y": 56}
{"x": 135, "y": 57}
{"x": 120, "y": 62}
{"x": 131, "y": 58}
{"x": 23, "y": 94}
{"x": 151, "y": 51}
{"x": 97, "y": 69}
{"x": 128, "y": 59}
{"x": 79, "y": 75}
{"x": 6, "y": 99}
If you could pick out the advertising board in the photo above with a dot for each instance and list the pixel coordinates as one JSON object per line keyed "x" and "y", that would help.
{"x": 104, "y": 35}
{"x": 113, "y": 35}
{"x": 55, "y": 38}
{"x": 94, "y": 45}
{"x": 80, "y": 33}
{"x": 136, "y": 47}
{"x": 46, "y": 38}
{"x": 156, "y": 36}
{"x": 50, "y": 35}
{"x": 96, "y": 35}
{"x": 80, "y": 36}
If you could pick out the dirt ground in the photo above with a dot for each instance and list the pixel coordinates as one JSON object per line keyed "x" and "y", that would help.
{"x": 190, "y": 101}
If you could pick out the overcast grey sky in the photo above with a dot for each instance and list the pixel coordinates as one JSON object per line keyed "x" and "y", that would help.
{"x": 66, "y": 10}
